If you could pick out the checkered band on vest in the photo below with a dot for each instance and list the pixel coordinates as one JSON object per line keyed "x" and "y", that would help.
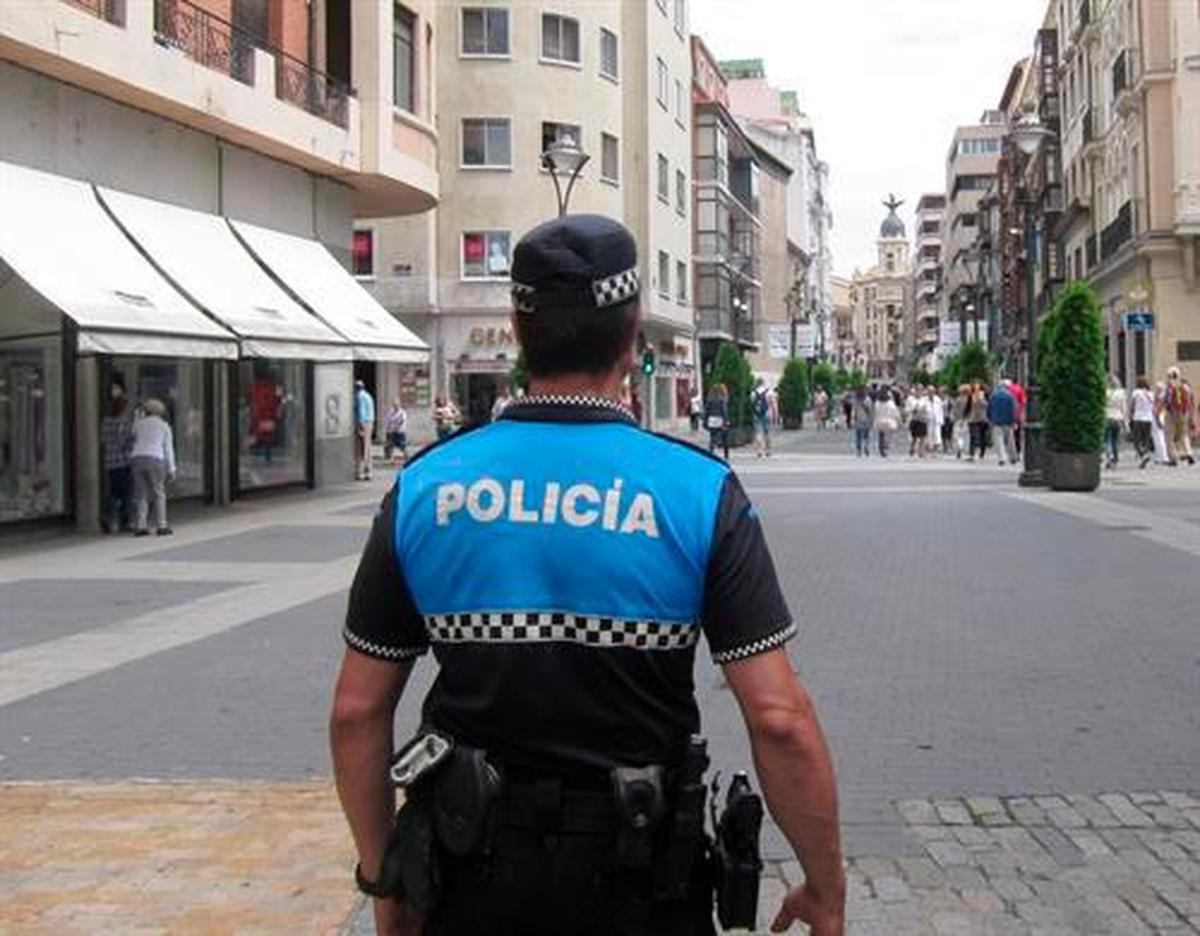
{"x": 550, "y": 627}
{"x": 616, "y": 288}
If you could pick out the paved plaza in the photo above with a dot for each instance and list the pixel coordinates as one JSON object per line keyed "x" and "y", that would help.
{"x": 1010, "y": 681}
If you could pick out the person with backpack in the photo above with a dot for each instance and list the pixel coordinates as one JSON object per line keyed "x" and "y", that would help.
{"x": 760, "y": 407}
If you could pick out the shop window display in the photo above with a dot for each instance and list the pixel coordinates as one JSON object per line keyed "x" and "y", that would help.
{"x": 31, "y": 429}
{"x": 272, "y": 418}
{"x": 179, "y": 384}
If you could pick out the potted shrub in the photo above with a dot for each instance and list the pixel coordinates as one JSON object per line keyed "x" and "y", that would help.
{"x": 1071, "y": 389}
{"x": 793, "y": 394}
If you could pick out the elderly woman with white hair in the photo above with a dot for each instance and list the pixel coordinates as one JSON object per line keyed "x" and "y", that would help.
{"x": 153, "y": 457}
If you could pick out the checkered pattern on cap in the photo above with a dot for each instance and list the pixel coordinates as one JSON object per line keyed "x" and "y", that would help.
{"x": 511, "y": 627}
{"x": 522, "y": 297}
{"x": 616, "y": 288}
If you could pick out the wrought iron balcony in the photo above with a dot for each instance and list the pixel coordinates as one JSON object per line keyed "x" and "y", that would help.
{"x": 205, "y": 38}
{"x": 318, "y": 93}
{"x": 1118, "y": 233}
{"x": 111, "y": 11}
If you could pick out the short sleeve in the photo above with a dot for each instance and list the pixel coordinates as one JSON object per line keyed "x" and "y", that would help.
{"x": 382, "y": 620}
{"x": 745, "y": 612}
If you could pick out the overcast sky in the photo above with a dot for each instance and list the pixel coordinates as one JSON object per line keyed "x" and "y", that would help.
{"x": 885, "y": 82}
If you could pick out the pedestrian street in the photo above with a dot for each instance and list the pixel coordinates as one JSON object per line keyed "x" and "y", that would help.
{"x": 1009, "y": 681}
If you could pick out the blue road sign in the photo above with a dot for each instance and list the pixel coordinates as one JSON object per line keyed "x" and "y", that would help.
{"x": 1139, "y": 320}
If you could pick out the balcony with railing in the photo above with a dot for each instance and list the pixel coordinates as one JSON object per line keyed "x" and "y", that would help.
{"x": 111, "y": 11}
{"x": 1117, "y": 234}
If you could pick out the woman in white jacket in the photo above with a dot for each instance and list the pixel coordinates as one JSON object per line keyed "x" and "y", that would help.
{"x": 153, "y": 457}
{"x": 887, "y": 420}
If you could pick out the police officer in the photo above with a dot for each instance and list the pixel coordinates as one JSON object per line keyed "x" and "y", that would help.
{"x": 562, "y": 564}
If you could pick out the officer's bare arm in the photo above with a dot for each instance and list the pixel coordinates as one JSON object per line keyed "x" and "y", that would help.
{"x": 794, "y": 767}
{"x": 360, "y": 736}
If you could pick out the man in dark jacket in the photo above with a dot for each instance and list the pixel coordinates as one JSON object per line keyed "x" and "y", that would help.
{"x": 1002, "y": 414}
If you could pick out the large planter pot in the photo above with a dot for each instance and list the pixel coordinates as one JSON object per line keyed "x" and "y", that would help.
{"x": 1073, "y": 471}
{"x": 740, "y": 435}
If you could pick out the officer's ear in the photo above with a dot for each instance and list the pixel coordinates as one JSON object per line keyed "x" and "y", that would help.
{"x": 633, "y": 321}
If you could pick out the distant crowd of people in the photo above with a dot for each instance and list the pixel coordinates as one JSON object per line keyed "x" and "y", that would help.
{"x": 1160, "y": 422}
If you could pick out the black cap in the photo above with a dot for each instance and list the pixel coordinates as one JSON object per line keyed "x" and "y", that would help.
{"x": 576, "y": 262}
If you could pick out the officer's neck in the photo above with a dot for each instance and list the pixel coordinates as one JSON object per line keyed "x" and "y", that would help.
{"x": 608, "y": 385}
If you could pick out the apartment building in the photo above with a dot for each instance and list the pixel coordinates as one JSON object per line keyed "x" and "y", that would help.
{"x": 514, "y": 79}
{"x": 177, "y": 187}
{"x": 728, "y": 231}
{"x": 970, "y": 171}
{"x": 1130, "y": 79}
{"x": 882, "y": 297}
{"x": 773, "y": 119}
{"x": 844, "y": 350}
{"x": 921, "y": 327}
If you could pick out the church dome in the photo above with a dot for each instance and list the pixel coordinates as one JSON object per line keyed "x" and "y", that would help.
{"x": 892, "y": 225}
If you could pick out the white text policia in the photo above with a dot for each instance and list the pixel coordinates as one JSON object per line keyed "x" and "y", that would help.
{"x": 578, "y": 505}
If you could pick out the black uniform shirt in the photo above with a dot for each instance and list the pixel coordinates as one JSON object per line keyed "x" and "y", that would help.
{"x": 562, "y": 562}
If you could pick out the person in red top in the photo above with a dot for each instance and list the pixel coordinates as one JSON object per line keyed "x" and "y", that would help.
{"x": 1020, "y": 397}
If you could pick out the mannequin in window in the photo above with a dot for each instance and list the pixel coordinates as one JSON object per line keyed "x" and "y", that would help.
{"x": 497, "y": 261}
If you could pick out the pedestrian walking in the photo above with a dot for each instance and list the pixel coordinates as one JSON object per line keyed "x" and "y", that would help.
{"x": 848, "y": 407}
{"x": 862, "y": 417}
{"x": 977, "y": 421}
{"x": 1002, "y": 416}
{"x": 961, "y": 412}
{"x": 1177, "y": 407}
{"x": 716, "y": 418}
{"x": 760, "y": 409}
{"x": 1116, "y": 409}
{"x": 570, "y": 798}
{"x": 445, "y": 417}
{"x": 116, "y": 443}
{"x": 887, "y": 421}
{"x": 152, "y": 457}
{"x": 696, "y": 409}
{"x": 396, "y": 429}
{"x": 918, "y": 424}
{"x": 364, "y": 430}
{"x": 821, "y": 408}
{"x": 1022, "y": 397}
{"x": 1162, "y": 452}
{"x": 1141, "y": 421}
{"x": 937, "y": 419}
{"x": 500, "y": 404}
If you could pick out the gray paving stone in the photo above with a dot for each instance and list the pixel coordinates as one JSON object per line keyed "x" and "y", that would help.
{"x": 918, "y": 812}
{"x": 1061, "y": 849}
{"x": 953, "y": 812}
{"x": 962, "y": 877}
{"x": 1179, "y": 800}
{"x": 948, "y": 854}
{"x": 974, "y": 837}
{"x": 1144, "y": 797}
{"x": 1066, "y": 817}
{"x": 891, "y": 889}
{"x": 1025, "y": 811}
{"x": 1160, "y": 844}
{"x": 1127, "y": 814}
{"x": 1012, "y": 889}
{"x": 1089, "y": 843}
{"x": 921, "y": 873}
{"x": 1096, "y": 813}
{"x": 982, "y": 806}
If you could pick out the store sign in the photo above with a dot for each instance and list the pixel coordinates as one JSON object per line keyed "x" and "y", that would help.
{"x": 488, "y": 336}
{"x": 333, "y": 403}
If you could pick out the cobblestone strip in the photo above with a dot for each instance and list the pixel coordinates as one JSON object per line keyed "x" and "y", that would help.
{"x": 1053, "y": 865}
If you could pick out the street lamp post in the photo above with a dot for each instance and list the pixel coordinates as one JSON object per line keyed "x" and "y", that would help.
{"x": 1028, "y": 134}
{"x": 564, "y": 158}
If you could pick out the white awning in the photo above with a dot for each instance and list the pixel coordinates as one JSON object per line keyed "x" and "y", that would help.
{"x": 324, "y": 285}
{"x": 56, "y": 236}
{"x": 202, "y": 257}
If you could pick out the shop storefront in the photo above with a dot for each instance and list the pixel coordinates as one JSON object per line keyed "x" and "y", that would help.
{"x": 251, "y": 350}
{"x": 480, "y": 353}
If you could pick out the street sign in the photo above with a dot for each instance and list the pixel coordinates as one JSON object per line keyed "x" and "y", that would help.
{"x": 1139, "y": 320}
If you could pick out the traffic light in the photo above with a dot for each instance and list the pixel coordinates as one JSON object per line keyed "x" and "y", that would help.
{"x": 648, "y": 361}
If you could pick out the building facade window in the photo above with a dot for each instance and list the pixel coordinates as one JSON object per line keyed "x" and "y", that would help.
{"x": 662, "y": 81}
{"x": 681, "y": 17}
{"x": 681, "y": 278}
{"x": 610, "y": 158}
{"x": 486, "y": 255}
{"x": 679, "y": 103}
{"x": 487, "y": 143}
{"x": 403, "y": 59}
{"x": 485, "y": 31}
{"x": 664, "y": 178}
{"x": 664, "y": 274}
{"x": 560, "y": 132}
{"x": 560, "y": 39}
{"x": 680, "y": 192}
{"x": 362, "y": 252}
{"x": 609, "y": 57}
{"x": 272, "y": 423}
{"x": 33, "y": 471}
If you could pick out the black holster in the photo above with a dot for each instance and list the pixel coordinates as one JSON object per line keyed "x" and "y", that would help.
{"x": 682, "y": 839}
{"x": 448, "y": 808}
{"x": 737, "y": 864}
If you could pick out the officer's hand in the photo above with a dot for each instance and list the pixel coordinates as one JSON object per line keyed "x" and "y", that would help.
{"x": 392, "y": 918}
{"x": 825, "y": 915}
